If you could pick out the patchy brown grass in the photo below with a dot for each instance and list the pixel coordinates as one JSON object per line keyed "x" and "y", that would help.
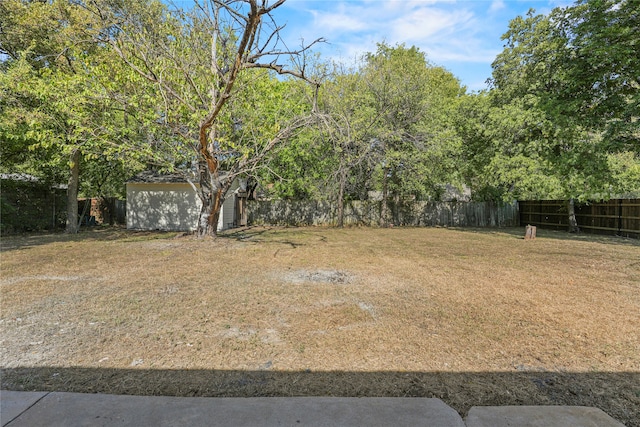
{"x": 473, "y": 317}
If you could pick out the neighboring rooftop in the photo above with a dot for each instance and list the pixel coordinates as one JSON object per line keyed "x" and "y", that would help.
{"x": 25, "y": 177}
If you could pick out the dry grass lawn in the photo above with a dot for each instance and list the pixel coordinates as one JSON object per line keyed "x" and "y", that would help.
{"x": 470, "y": 316}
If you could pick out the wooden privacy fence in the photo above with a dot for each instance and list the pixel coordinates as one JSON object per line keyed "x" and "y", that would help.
{"x": 418, "y": 214}
{"x": 620, "y": 217}
{"x": 102, "y": 210}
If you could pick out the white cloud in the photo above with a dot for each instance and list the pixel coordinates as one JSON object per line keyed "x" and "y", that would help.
{"x": 338, "y": 22}
{"x": 496, "y": 5}
{"x": 441, "y": 54}
{"x": 426, "y": 22}
{"x": 459, "y": 35}
{"x": 444, "y": 34}
{"x": 354, "y": 26}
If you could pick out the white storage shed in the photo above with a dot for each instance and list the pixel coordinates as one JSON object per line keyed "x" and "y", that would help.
{"x": 168, "y": 202}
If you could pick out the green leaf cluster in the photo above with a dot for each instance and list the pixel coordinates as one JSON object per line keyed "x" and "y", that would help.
{"x": 562, "y": 114}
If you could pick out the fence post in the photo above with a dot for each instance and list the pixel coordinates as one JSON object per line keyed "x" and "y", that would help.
{"x": 620, "y": 217}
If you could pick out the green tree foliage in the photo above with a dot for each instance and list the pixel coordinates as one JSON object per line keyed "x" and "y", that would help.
{"x": 345, "y": 135}
{"x": 385, "y": 125}
{"x": 297, "y": 170}
{"x": 601, "y": 68}
{"x": 561, "y": 119}
{"x": 496, "y": 162}
{"x": 262, "y": 107}
{"x": 581, "y": 67}
{"x": 55, "y": 113}
{"x": 411, "y": 103}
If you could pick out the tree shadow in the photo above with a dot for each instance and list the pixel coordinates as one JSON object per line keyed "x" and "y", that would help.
{"x": 617, "y": 394}
{"x": 260, "y": 234}
{"x": 275, "y": 234}
{"x": 96, "y": 233}
{"x": 542, "y": 233}
{"x": 249, "y": 233}
{"x": 121, "y": 233}
{"x": 86, "y": 234}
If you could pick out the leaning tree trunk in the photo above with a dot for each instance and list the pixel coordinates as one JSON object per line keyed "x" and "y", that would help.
{"x": 212, "y": 193}
{"x": 573, "y": 222}
{"x": 209, "y": 215}
{"x": 72, "y": 224}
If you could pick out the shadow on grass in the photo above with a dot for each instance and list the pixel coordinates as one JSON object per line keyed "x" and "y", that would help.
{"x": 255, "y": 234}
{"x": 541, "y": 233}
{"x": 95, "y": 234}
{"x": 273, "y": 234}
{"x": 291, "y": 236}
{"x": 618, "y": 394}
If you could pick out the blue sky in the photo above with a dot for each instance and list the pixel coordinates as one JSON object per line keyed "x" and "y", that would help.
{"x": 461, "y": 35}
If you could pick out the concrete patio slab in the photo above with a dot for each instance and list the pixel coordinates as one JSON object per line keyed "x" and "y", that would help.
{"x": 539, "y": 416}
{"x": 75, "y": 409}
{"x": 13, "y": 403}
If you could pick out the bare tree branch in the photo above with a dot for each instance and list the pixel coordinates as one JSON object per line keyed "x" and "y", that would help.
{"x": 193, "y": 61}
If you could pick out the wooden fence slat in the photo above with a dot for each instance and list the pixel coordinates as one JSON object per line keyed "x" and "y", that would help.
{"x": 616, "y": 216}
{"x": 612, "y": 217}
{"x": 607, "y": 216}
{"x": 446, "y": 214}
{"x": 546, "y": 213}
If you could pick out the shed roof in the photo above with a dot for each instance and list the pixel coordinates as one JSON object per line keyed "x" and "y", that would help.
{"x": 153, "y": 177}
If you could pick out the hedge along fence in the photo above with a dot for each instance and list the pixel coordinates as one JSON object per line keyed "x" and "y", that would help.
{"x": 418, "y": 214}
{"x": 620, "y": 217}
{"x": 28, "y": 205}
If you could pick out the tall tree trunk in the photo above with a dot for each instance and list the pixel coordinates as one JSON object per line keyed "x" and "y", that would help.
{"x": 573, "y": 222}
{"x": 72, "y": 225}
{"x": 385, "y": 197}
{"x": 108, "y": 205}
{"x": 342, "y": 185}
{"x": 395, "y": 210}
{"x": 209, "y": 216}
{"x": 211, "y": 196}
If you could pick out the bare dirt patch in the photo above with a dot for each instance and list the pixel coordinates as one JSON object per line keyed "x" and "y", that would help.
{"x": 318, "y": 276}
{"x": 473, "y": 317}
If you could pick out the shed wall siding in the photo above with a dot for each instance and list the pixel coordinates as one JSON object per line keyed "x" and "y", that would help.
{"x": 170, "y": 207}
{"x": 228, "y": 210}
